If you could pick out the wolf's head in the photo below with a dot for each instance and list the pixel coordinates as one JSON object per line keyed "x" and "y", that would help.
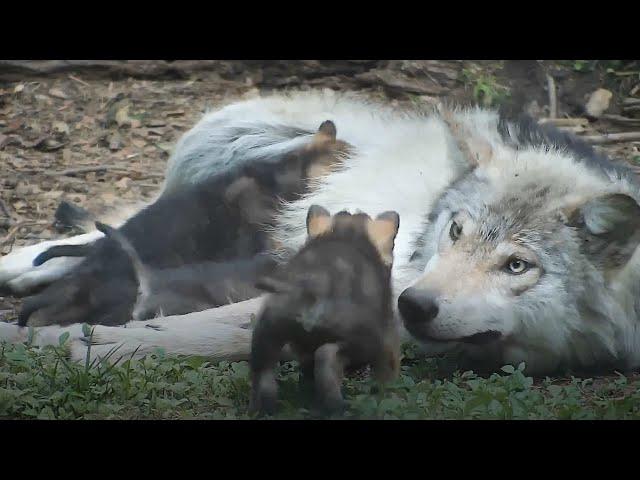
{"x": 526, "y": 255}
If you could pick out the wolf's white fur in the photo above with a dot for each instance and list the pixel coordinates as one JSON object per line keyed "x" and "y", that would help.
{"x": 403, "y": 162}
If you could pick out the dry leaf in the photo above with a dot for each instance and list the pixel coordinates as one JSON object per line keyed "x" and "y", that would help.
{"x": 165, "y": 147}
{"x": 122, "y": 116}
{"x": 138, "y": 143}
{"x": 109, "y": 198}
{"x": 61, "y": 127}
{"x": 123, "y": 184}
{"x": 156, "y": 131}
{"x": 115, "y": 142}
{"x": 53, "y": 194}
{"x": 44, "y": 99}
{"x": 66, "y": 155}
{"x": 57, "y": 93}
{"x": 155, "y": 123}
{"x": 598, "y": 102}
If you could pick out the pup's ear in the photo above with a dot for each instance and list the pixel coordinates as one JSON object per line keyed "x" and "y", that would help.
{"x": 609, "y": 226}
{"x": 382, "y": 232}
{"x": 328, "y": 130}
{"x": 325, "y": 136}
{"x": 318, "y": 221}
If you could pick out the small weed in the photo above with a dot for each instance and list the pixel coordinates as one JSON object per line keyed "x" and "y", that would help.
{"x": 486, "y": 89}
{"x": 44, "y": 384}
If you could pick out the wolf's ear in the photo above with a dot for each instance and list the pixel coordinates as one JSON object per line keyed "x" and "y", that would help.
{"x": 609, "y": 226}
{"x": 382, "y": 232}
{"x": 318, "y": 221}
{"x": 476, "y": 150}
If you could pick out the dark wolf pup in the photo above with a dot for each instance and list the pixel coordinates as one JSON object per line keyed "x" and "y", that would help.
{"x": 189, "y": 288}
{"x": 332, "y": 305}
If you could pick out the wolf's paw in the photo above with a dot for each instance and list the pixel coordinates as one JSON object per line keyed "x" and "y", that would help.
{"x": 12, "y": 333}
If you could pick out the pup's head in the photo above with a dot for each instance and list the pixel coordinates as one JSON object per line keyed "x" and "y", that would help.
{"x": 524, "y": 252}
{"x": 323, "y": 154}
{"x": 381, "y": 232}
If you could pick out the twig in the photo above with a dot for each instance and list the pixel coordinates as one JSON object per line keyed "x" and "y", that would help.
{"x": 621, "y": 120}
{"x": 575, "y": 129}
{"x": 553, "y": 102}
{"x": 4, "y": 208}
{"x": 14, "y": 230}
{"x": 565, "y": 122}
{"x": 612, "y": 138}
{"x": 74, "y": 171}
{"x": 79, "y": 81}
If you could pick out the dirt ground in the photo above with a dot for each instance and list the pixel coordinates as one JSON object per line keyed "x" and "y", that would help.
{"x": 100, "y": 140}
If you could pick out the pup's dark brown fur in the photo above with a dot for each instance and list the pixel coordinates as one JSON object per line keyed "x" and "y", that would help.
{"x": 189, "y": 288}
{"x": 332, "y": 304}
{"x": 223, "y": 223}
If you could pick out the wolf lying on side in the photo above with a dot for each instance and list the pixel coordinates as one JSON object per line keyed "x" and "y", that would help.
{"x": 518, "y": 242}
{"x": 331, "y": 303}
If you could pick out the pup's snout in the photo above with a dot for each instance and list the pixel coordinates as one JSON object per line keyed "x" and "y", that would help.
{"x": 417, "y": 306}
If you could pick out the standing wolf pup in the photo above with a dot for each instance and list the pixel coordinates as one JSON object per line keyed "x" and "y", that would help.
{"x": 332, "y": 304}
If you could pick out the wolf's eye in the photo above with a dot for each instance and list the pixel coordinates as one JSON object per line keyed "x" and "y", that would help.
{"x": 517, "y": 266}
{"x": 455, "y": 231}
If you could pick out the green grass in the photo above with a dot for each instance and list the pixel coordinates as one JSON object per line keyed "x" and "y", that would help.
{"x": 486, "y": 89}
{"x": 43, "y": 384}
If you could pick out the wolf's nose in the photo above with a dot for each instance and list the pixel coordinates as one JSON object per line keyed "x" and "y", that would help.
{"x": 417, "y": 306}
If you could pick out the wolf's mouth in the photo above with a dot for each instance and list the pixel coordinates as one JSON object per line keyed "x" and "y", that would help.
{"x": 481, "y": 338}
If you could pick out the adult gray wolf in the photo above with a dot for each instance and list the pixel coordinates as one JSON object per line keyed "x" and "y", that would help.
{"x": 517, "y": 243}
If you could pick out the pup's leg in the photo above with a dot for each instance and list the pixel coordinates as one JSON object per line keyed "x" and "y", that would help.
{"x": 266, "y": 345}
{"x": 386, "y": 365}
{"x": 328, "y": 373}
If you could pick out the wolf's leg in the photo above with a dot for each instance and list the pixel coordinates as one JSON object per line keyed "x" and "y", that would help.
{"x": 18, "y": 275}
{"x": 42, "y": 336}
{"x": 214, "y": 333}
{"x": 213, "y": 340}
